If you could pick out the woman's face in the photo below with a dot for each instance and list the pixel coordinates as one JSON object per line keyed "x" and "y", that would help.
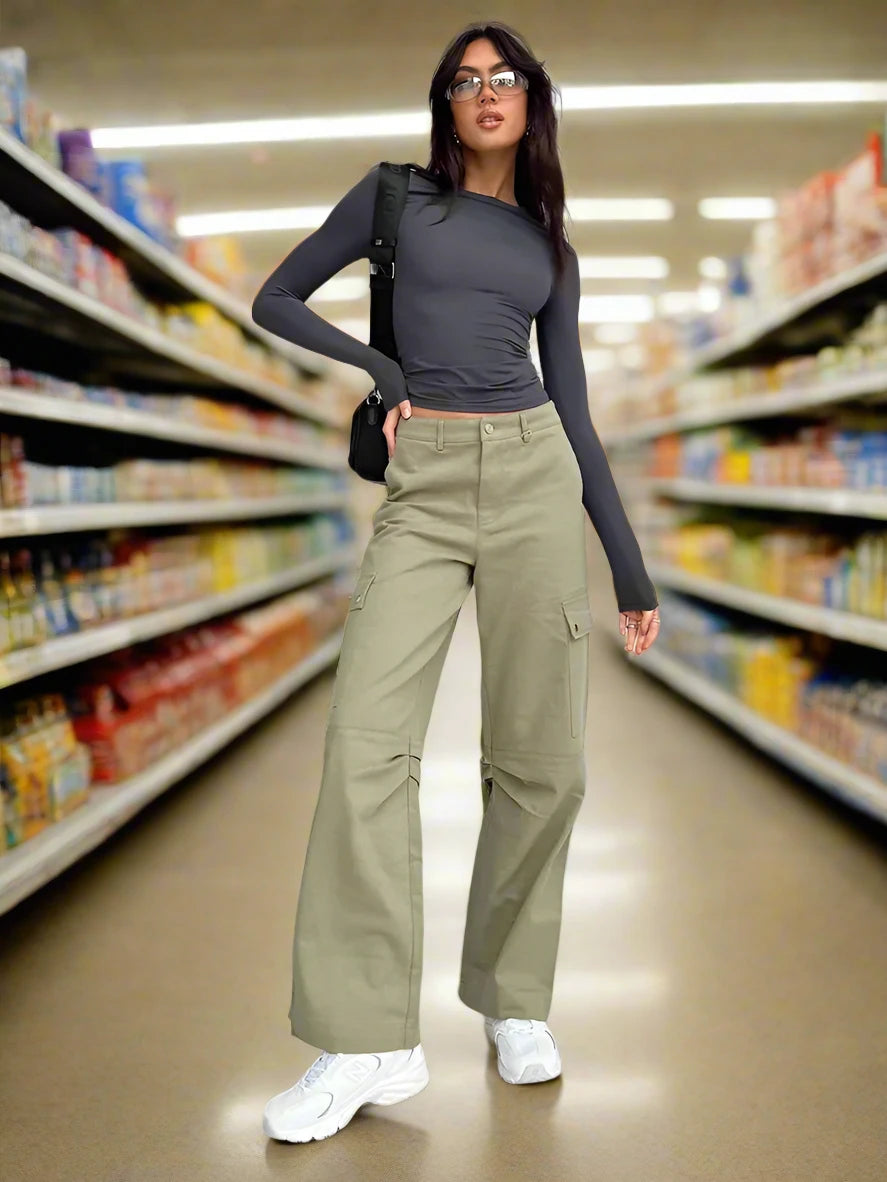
{"x": 482, "y": 59}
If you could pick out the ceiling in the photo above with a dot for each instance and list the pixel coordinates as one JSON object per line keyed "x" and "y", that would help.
{"x": 100, "y": 63}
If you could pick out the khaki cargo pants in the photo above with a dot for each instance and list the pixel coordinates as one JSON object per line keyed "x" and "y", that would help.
{"x": 494, "y": 501}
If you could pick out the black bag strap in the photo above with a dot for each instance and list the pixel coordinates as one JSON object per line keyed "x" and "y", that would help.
{"x": 391, "y": 195}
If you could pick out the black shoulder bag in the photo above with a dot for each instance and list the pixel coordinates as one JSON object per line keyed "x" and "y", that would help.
{"x": 368, "y": 451}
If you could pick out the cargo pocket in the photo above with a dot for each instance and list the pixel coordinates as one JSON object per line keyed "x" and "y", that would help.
{"x": 361, "y": 590}
{"x": 579, "y": 621}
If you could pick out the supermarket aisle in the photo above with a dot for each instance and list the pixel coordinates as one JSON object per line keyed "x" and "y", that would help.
{"x": 720, "y": 999}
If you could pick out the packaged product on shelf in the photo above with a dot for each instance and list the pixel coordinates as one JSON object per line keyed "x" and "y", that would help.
{"x": 128, "y": 192}
{"x": 13, "y": 90}
{"x": 46, "y": 771}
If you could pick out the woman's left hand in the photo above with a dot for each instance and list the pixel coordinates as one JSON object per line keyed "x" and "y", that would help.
{"x": 640, "y": 629}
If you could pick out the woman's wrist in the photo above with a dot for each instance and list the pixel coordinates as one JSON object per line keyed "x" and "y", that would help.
{"x": 390, "y": 381}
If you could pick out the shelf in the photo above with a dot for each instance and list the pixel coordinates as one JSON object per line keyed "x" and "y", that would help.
{"x": 738, "y": 345}
{"x": 863, "y": 630}
{"x": 843, "y": 502}
{"x": 168, "y": 358}
{"x": 51, "y": 519}
{"x": 33, "y": 405}
{"x": 26, "y": 868}
{"x": 852, "y": 786}
{"x": 93, "y": 642}
{"x": 755, "y": 406}
{"x": 43, "y": 193}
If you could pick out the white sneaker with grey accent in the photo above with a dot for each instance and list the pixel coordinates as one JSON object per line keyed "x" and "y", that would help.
{"x": 526, "y": 1049}
{"x": 324, "y": 1100}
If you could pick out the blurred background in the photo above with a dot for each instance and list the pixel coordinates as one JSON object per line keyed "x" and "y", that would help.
{"x": 180, "y": 532}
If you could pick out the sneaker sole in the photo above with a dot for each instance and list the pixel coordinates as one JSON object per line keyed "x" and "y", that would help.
{"x": 392, "y": 1091}
{"x": 532, "y": 1073}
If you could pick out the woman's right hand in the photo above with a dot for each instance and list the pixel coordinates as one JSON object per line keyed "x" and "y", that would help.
{"x": 389, "y": 427}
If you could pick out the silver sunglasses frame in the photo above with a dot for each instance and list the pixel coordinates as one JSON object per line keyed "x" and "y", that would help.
{"x": 448, "y": 93}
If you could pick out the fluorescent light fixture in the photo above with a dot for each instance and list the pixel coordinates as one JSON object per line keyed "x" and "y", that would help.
{"x": 713, "y": 268}
{"x": 620, "y": 209}
{"x": 630, "y": 267}
{"x": 346, "y": 287}
{"x": 721, "y": 94}
{"x": 753, "y": 209}
{"x": 264, "y": 131}
{"x": 245, "y": 221}
{"x": 309, "y": 217}
{"x": 598, "y": 360}
{"x": 615, "y": 309}
{"x": 615, "y": 334}
{"x": 418, "y": 123}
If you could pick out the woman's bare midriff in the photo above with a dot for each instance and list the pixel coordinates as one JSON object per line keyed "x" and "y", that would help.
{"x": 424, "y": 412}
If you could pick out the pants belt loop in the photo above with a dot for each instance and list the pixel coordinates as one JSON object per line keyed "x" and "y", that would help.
{"x": 525, "y": 431}
{"x": 440, "y": 434}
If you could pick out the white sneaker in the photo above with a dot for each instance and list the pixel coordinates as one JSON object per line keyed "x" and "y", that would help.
{"x": 526, "y": 1049}
{"x": 335, "y": 1086}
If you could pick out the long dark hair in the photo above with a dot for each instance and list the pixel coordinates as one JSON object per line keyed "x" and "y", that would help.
{"x": 538, "y": 178}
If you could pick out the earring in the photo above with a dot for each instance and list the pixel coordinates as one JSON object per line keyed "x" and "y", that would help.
{"x": 455, "y": 137}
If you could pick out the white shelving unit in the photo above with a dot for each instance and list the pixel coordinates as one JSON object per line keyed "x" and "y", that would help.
{"x": 789, "y": 312}
{"x": 61, "y": 300}
{"x": 37, "y": 184}
{"x": 864, "y": 630}
{"x": 868, "y": 279}
{"x": 838, "y": 502}
{"x": 33, "y": 405}
{"x": 29, "y": 866}
{"x": 67, "y": 518}
{"x": 62, "y": 651}
{"x": 115, "y": 345}
{"x": 756, "y": 406}
{"x": 855, "y": 787}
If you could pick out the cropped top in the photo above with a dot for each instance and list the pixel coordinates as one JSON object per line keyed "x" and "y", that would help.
{"x": 468, "y": 285}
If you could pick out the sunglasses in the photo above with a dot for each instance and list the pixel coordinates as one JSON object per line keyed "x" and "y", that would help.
{"x": 505, "y": 84}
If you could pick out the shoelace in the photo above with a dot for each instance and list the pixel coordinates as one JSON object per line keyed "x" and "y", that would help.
{"x": 317, "y": 1068}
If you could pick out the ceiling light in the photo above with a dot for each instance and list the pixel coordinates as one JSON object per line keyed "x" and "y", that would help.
{"x": 631, "y": 267}
{"x": 264, "y": 131}
{"x": 713, "y": 268}
{"x": 615, "y": 334}
{"x": 721, "y": 94}
{"x": 677, "y": 303}
{"x": 615, "y": 309}
{"x": 418, "y": 123}
{"x": 346, "y": 287}
{"x": 709, "y": 297}
{"x": 620, "y": 209}
{"x": 304, "y": 217}
{"x": 737, "y": 208}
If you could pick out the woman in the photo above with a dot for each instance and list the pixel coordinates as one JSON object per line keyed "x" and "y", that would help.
{"x": 490, "y": 474}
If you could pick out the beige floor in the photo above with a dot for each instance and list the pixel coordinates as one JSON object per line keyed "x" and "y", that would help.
{"x": 721, "y": 999}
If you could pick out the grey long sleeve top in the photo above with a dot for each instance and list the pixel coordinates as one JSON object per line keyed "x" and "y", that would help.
{"x": 468, "y": 286}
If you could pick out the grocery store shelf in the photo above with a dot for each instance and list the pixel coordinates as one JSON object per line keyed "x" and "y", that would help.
{"x": 738, "y": 345}
{"x": 68, "y": 518}
{"x": 754, "y": 406}
{"x": 26, "y": 868}
{"x": 843, "y": 502}
{"x": 46, "y": 195}
{"x": 34, "y": 405}
{"x": 93, "y": 642}
{"x": 863, "y": 630}
{"x": 854, "y": 787}
{"x": 188, "y": 364}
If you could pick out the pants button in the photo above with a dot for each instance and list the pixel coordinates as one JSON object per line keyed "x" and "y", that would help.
{"x": 488, "y": 427}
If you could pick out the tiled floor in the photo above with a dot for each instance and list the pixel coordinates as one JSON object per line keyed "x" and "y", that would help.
{"x": 721, "y": 999}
